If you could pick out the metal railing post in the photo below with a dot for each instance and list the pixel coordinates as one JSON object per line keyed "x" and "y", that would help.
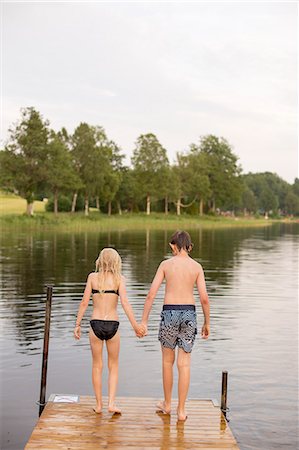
{"x": 43, "y": 383}
{"x": 224, "y": 407}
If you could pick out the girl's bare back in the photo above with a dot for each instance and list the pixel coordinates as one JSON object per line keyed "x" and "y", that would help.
{"x": 104, "y": 305}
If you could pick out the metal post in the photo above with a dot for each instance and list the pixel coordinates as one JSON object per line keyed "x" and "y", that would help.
{"x": 43, "y": 383}
{"x": 224, "y": 393}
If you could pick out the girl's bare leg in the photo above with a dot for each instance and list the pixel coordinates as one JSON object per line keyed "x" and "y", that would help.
{"x": 183, "y": 363}
{"x": 168, "y": 357}
{"x": 97, "y": 367}
{"x": 113, "y": 353}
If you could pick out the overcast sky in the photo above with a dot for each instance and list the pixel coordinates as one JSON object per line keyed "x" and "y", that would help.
{"x": 179, "y": 70}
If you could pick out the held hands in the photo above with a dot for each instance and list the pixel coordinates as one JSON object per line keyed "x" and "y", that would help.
{"x": 141, "y": 330}
{"x": 205, "y": 331}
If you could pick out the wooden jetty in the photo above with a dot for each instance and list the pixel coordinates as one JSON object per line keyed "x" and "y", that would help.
{"x": 65, "y": 425}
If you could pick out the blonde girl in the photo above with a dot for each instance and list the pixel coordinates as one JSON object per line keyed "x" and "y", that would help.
{"x": 105, "y": 285}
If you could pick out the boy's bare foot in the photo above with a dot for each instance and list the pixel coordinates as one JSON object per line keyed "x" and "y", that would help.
{"x": 182, "y": 416}
{"x": 114, "y": 409}
{"x": 98, "y": 409}
{"x": 162, "y": 407}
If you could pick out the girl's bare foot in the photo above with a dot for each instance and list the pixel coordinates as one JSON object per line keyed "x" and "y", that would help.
{"x": 162, "y": 407}
{"x": 114, "y": 409}
{"x": 98, "y": 409}
{"x": 182, "y": 416}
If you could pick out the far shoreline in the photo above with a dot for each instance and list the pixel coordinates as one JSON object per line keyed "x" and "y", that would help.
{"x": 95, "y": 221}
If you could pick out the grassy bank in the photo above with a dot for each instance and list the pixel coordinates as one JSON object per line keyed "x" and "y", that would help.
{"x": 96, "y": 221}
{"x": 12, "y": 216}
{"x": 13, "y": 204}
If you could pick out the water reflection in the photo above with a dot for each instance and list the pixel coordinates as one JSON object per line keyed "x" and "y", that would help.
{"x": 30, "y": 261}
{"x": 165, "y": 438}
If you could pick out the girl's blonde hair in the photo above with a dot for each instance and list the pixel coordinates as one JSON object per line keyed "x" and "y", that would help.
{"x": 108, "y": 261}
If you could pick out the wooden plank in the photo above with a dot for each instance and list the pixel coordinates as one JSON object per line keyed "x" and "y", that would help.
{"x": 75, "y": 426}
{"x": 97, "y": 445}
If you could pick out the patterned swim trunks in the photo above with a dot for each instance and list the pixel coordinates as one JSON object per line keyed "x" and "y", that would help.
{"x": 178, "y": 326}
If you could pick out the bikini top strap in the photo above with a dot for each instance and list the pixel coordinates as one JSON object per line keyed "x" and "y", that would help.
{"x": 108, "y": 291}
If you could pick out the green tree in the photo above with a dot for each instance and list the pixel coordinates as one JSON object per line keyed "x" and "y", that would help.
{"x": 150, "y": 161}
{"x": 22, "y": 161}
{"x": 269, "y": 189}
{"x": 83, "y": 155}
{"x": 110, "y": 189}
{"x": 199, "y": 172}
{"x": 292, "y": 203}
{"x": 295, "y": 186}
{"x": 166, "y": 182}
{"x": 222, "y": 169}
{"x": 61, "y": 174}
{"x": 90, "y": 153}
{"x": 183, "y": 183}
{"x": 248, "y": 201}
{"x": 113, "y": 174}
{"x": 128, "y": 194}
{"x": 268, "y": 201}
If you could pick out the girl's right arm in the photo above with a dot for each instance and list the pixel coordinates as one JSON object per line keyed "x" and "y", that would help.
{"x": 128, "y": 308}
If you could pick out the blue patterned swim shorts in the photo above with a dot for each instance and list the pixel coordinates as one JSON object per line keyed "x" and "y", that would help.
{"x": 178, "y": 326}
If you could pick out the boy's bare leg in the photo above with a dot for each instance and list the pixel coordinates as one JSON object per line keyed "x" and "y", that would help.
{"x": 168, "y": 357}
{"x": 183, "y": 363}
{"x": 113, "y": 353}
{"x": 97, "y": 367}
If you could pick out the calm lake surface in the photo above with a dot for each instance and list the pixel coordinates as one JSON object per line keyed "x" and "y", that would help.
{"x": 251, "y": 277}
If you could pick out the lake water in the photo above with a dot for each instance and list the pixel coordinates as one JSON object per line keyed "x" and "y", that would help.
{"x": 251, "y": 278}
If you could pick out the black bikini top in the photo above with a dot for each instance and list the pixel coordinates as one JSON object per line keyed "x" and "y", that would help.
{"x": 96, "y": 291}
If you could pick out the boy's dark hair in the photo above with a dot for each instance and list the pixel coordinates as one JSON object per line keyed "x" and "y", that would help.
{"x": 182, "y": 240}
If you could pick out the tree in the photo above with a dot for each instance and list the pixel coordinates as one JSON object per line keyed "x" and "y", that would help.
{"x": 268, "y": 201}
{"x": 128, "y": 193}
{"x": 83, "y": 146}
{"x": 292, "y": 203}
{"x": 222, "y": 169}
{"x": 248, "y": 201}
{"x": 90, "y": 153}
{"x": 110, "y": 189}
{"x": 199, "y": 172}
{"x": 113, "y": 175}
{"x": 295, "y": 186}
{"x": 149, "y": 161}
{"x": 183, "y": 184}
{"x": 22, "y": 162}
{"x": 269, "y": 190}
{"x": 167, "y": 184}
{"x": 61, "y": 174}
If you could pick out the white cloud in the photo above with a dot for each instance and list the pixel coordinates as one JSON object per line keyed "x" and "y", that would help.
{"x": 179, "y": 70}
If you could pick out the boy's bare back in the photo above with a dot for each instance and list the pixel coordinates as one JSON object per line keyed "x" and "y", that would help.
{"x": 181, "y": 273}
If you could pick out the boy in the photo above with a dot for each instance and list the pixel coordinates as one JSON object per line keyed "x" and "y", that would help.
{"x": 178, "y": 326}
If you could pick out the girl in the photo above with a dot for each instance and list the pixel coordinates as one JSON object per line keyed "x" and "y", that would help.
{"x": 106, "y": 284}
{"x": 178, "y": 326}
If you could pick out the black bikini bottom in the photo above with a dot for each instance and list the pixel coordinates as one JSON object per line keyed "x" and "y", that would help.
{"x": 104, "y": 329}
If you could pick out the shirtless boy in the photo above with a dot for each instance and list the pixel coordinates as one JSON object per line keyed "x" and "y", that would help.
{"x": 178, "y": 326}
